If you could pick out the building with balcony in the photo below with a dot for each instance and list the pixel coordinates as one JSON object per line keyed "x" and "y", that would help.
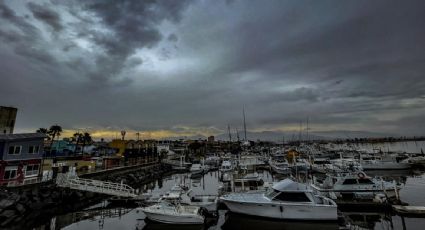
{"x": 20, "y": 156}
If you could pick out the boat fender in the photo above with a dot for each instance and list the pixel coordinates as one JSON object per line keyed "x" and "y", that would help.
{"x": 361, "y": 175}
{"x": 281, "y": 208}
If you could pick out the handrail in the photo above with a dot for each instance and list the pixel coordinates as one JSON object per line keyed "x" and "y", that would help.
{"x": 105, "y": 187}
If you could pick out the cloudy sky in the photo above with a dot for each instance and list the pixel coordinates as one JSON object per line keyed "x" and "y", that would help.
{"x": 169, "y": 68}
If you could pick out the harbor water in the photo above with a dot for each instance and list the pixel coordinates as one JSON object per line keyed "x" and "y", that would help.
{"x": 103, "y": 217}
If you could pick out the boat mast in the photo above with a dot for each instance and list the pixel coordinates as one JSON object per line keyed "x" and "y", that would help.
{"x": 244, "y": 123}
{"x": 230, "y": 135}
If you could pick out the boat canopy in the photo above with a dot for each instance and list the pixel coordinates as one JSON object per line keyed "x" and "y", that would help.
{"x": 288, "y": 185}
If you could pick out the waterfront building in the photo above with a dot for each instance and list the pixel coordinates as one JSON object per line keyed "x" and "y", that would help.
{"x": 211, "y": 139}
{"x": 7, "y": 119}
{"x": 119, "y": 145}
{"x": 20, "y": 156}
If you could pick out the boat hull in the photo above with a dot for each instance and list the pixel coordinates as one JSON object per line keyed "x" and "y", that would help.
{"x": 172, "y": 219}
{"x": 280, "y": 170}
{"x": 386, "y": 166}
{"x": 284, "y": 211}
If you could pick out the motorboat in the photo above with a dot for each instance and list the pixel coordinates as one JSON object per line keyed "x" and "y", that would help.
{"x": 173, "y": 213}
{"x": 382, "y": 163}
{"x": 299, "y": 165}
{"x": 197, "y": 169}
{"x": 353, "y": 185}
{"x": 415, "y": 160}
{"x": 183, "y": 195}
{"x": 182, "y": 166}
{"x": 251, "y": 181}
{"x": 320, "y": 165}
{"x": 226, "y": 166}
{"x": 286, "y": 199}
{"x": 280, "y": 166}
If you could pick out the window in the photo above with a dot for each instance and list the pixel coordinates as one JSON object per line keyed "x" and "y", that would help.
{"x": 33, "y": 149}
{"x": 272, "y": 193}
{"x": 350, "y": 181}
{"x": 365, "y": 181}
{"x": 292, "y": 197}
{"x": 31, "y": 170}
{"x": 10, "y": 172}
{"x": 14, "y": 150}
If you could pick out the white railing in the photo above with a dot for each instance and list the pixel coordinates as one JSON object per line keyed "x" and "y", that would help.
{"x": 104, "y": 187}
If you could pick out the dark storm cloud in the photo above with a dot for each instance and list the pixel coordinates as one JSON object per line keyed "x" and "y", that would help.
{"x": 132, "y": 25}
{"x": 46, "y": 15}
{"x": 177, "y": 65}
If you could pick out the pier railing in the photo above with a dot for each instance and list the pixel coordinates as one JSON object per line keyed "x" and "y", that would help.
{"x": 104, "y": 187}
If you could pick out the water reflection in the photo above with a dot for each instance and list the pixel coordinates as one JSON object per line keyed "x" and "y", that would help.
{"x": 105, "y": 217}
{"x": 237, "y": 221}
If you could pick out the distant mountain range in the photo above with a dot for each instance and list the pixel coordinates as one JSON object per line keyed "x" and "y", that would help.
{"x": 278, "y": 136}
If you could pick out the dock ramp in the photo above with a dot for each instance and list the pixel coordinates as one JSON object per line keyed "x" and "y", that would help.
{"x": 109, "y": 188}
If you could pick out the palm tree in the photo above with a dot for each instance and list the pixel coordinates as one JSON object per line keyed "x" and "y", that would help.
{"x": 43, "y": 131}
{"x": 78, "y": 138}
{"x": 86, "y": 139}
{"x": 54, "y": 131}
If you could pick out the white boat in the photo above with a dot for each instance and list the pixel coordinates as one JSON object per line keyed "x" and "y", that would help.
{"x": 320, "y": 165}
{"x": 250, "y": 181}
{"x": 174, "y": 213}
{"x": 226, "y": 166}
{"x": 182, "y": 166}
{"x": 415, "y": 160}
{"x": 354, "y": 184}
{"x": 382, "y": 163}
{"x": 280, "y": 166}
{"x": 197, "y": 169}
{"x": 286, "y": 200}
{"x": 299, "y": 165}
{"x": 184, "y": 195}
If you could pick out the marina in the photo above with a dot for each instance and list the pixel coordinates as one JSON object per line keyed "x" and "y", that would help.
{"x": 226, "y": 199}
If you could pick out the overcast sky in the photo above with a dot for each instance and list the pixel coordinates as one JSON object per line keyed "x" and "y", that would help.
{"x": 169, "y": 68}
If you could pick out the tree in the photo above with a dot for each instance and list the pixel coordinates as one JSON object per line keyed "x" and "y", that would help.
{"x": 43, "y": 131}
{"x": 86, "y": 139}
{"x": 78, "y": 137}
{"x": 54, "y": 131}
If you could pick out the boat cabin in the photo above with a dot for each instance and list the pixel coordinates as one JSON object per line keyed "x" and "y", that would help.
{"x": 291, "y": 191}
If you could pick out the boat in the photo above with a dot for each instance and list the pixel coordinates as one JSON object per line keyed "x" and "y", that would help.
{"x": 299, "y": 165}
{"x": 226, "y": 166}
{"x": 353, "y": 185}
{"x": 409, "y": 210}
{"x": 251, "y": 181}
{"x": 280, "y": 166}
{"x": 286, "y": 200}
{"x": 382, "y": 163}
{"x": 197, "y": 169}
{"x": 173, "y": 213}
{"x": 182, "y": 166}
{"x": 320, "y": 165}
{"x": 415, "y": 160}
{"x": 184, "y": 195}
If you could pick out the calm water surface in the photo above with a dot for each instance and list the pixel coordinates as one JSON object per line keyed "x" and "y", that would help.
{"x": 101, "y": 217}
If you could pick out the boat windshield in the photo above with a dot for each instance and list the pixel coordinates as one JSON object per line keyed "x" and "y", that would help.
{"x": 292, "y": 197}
{"x": 272, "y": 193}
{"x": 365, "y": 181}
